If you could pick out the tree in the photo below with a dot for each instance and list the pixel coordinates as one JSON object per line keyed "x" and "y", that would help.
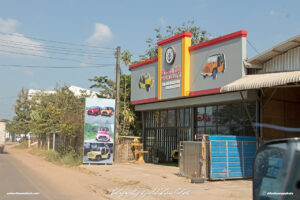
{"x": 11, "y": 127}
{"x": 127, "y": 115}
{"x": 198, "y": 36}
{"x": 106, "y": 86}
{"x": 22, "y": 111}
{"x": 128, "y": 118}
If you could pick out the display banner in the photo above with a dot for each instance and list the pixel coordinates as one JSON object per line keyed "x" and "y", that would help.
{"x": 99, "y": 131}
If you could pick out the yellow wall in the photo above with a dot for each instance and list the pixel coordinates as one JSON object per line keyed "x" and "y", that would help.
{"x": 159, "y": 73}
{"x": 185, "y": 68}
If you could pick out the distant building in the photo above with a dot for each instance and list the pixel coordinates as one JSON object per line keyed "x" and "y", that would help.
{"x": 76, "y": 90}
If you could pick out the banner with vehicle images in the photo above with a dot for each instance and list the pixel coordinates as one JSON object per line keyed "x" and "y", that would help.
{"x": 99, "y": 131}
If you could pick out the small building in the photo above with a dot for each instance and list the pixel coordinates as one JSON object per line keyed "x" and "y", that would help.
{"x": 78, "y": 91}
{"x": 211, "y": 92}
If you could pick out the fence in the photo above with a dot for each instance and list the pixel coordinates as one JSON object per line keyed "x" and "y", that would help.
{"x": 126, "y": 151}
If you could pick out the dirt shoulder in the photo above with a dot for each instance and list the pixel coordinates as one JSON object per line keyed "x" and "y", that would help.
{"x": 130, "y": 181}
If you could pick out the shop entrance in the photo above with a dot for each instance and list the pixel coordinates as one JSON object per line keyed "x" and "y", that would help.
{"x": 163, "y": 131}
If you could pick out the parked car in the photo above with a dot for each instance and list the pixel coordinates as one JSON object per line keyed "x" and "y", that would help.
{"x": 99, "y": 153}
{"x": 108, "y": 111}
{"x": 94, "y": 111}
{"x": 103, "y": 135}
{"x": 18, "y": 138}
{"x": 214, "y": 65}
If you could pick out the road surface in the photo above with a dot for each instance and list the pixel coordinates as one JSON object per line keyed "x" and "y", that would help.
{"x": 20, "y": 182}
{"x": 27, "y": 178}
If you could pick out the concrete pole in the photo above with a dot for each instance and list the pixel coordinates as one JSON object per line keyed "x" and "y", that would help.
{"x": 117, "y": 104}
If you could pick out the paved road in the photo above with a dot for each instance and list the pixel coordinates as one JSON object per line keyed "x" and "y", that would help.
{"x": 18, "y": 182}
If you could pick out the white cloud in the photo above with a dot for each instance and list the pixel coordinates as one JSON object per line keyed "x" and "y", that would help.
{"x": 102, "y": 35}
{"x": 15, "y": 44}
{"x": 163, "y": 22}
{"x": 8, "y": 26}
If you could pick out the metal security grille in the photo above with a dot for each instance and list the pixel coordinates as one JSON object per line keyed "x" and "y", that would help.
{"x": 231, "y": 156}
{"x": 163, "y": 131}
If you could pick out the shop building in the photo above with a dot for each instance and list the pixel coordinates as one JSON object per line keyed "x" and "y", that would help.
{"x": 210, "y": 91}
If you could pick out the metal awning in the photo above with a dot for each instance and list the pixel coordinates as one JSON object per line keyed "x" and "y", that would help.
{"x": 276, "y": 50}
{"x": 258, "y": 81}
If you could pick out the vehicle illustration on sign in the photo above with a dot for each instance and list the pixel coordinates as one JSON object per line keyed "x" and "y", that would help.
{"x": 103, "y": 135}
{"x": 96, "y": 110}
{"x": 214, "y": 65}
{"x": 146, "y": 81}
{"x": 107, "y": 111}
{"x": 99, "y": 153}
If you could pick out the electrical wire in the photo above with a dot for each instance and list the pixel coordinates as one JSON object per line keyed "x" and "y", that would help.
{"x": 55, "y": 47}
{"x": 55, "y": 52}
{"x": 58, "y": 42}
{"x": 54, "y": 67}
{"x": 253, "y": 46}
{"x": 49, "y": 57}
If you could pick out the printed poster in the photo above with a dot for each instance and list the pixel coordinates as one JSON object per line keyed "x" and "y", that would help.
{"x": 99, "y": 131}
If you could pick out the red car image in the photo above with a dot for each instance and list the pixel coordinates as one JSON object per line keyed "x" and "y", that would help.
{"x": 103, "y": 135}
{"x": 94, "y": 111}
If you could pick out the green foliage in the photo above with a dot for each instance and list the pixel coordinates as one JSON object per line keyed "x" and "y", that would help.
{"x": 22, "y": 111}
{"x": 22, "y": 145}
{"x": 89, "y": 131}
{"x": 198, "y": 36}
{"x": 106, "y": 86}
{"x": 60, "y": 112}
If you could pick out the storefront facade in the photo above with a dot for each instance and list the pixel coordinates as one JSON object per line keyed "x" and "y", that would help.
{"x": 179, "y": 94}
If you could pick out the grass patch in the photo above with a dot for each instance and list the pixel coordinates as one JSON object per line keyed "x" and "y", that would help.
{"x": 53, "y": 156}
{"x": 86, "y": 171}
{"x": 22, "y": 145}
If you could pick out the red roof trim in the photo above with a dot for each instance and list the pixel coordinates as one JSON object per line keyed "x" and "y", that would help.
{"x": 145, "y": 62}
{"x": 202, "y": 92}
{"x": 143, "y": 101}
{"x": 174, "y": 38}
{"x": 231, "y": 36}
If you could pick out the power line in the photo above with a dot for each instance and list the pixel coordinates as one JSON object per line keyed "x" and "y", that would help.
{"x": 55, "y": 52}
{"x": 55, "y": 47}
{"x": 54, "y": 67}
{"x": 253, "y": 46}
{"x": 49, "y": 57}
{"x": 58, "y": 42}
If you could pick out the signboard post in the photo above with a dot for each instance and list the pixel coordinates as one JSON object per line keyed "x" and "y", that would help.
{"x": 99, "y": 131}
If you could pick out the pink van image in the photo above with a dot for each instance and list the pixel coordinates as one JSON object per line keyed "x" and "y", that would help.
{"x": 103, "y": 135}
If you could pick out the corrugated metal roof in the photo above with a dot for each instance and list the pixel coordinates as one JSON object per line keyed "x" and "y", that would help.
{"x": 276, "y": 50}
{"x": 257, "y": 81}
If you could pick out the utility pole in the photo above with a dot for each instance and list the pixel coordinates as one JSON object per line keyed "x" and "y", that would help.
{"x": 116, "y": 137}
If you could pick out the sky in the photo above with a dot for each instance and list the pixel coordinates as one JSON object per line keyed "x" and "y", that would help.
{"x": 37, "y": 36}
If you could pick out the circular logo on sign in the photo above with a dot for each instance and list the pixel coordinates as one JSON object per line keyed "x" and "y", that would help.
{"x": 170, "y": 55}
